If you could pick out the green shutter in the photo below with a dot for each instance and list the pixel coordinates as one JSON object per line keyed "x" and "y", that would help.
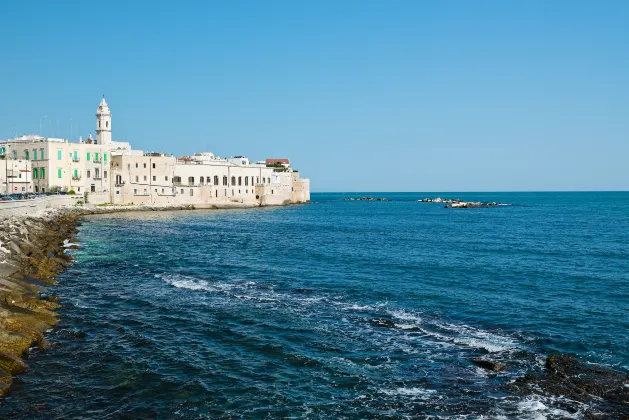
{"x": 105, "y": 157}
{"x": 27, "y": 155}
{"x": 42, "y": 173}
{"x": 58, "y": 154}
{"x": 35, "y": 173}
{"x": 58, "y": 173}
{"x": 88, "y": 156}
{"x": 42, "y": 154}
{"x": 35, "y": 154}
{"x": 95, "y": 156}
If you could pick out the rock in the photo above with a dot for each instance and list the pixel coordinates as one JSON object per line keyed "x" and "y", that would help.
{"x": 489, "y": 365}
{"x": 379, "y": 322}
{"x": 12, "y": 364}
{"x": 606, "y": 390}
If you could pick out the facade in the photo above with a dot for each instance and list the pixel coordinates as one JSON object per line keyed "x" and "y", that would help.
{"x": 111, "y": 172}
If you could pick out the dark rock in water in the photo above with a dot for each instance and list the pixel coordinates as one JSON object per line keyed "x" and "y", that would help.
{"x": 489, "y": 365}
{"x": 303, "y": 290}
{"x": 607, "y": 390}
{"x": 385, "y": 323}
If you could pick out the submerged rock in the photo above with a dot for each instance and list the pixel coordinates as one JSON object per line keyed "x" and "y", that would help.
{"x": 489, "y": 365}
{"x": 606, "y": 390}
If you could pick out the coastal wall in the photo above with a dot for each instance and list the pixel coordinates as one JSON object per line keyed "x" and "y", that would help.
{"x": 30, "y": 207}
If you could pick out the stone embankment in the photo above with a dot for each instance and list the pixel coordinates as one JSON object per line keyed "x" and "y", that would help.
{"x": 459, "y": 204}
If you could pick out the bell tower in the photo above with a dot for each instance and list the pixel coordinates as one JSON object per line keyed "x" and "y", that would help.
{"x": 103, "y": 123}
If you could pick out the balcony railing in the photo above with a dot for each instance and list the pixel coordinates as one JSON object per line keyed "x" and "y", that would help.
{"x": 120, "y": 184}
{"x": 97, "y": 160}
{"x": 75, "y": 159}
{"x": 76, "y": 177}
{"x": 98, "y": 177}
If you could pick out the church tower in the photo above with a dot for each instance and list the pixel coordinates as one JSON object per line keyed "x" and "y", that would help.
{"x": 103, "y": 123}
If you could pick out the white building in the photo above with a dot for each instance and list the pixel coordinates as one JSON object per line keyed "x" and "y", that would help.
{"x": 110, "y": 171}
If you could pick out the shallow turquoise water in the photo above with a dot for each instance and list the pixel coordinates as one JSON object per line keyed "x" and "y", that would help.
{"x": 334, "y": 309}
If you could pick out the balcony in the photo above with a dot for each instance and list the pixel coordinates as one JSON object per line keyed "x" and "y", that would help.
{"x": 98, "y": 177}
{"x": 97, "y": 160}
{"x": 76, "y": 177}
{"x": 75, "y": 159}
{"x": 120, "y": 184}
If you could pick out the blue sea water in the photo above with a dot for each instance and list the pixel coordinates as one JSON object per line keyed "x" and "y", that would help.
{"x": 335, "y": 309}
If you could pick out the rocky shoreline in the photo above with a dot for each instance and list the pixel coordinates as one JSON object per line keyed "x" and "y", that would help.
{"x": 32, "y": 254}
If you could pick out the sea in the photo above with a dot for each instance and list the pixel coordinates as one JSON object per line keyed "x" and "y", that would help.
{"x": 334, "y": 309}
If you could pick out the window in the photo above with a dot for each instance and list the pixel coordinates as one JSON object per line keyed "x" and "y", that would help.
{"x": 153, "y": 166}
{"x": 191, "y": 192}
{"x": 105, "y": 174}
{"x": 201, "y": 180}
{"x": 162, "y": 191}
{"x": 144, "y": 177}
{"x": 145, "y": 166}
{"x": 59, "y": 173}
{"x": 105, "y": 157}
{"x": 42, "y": 173}
{"x": 145, "y": 191}
{"x": 135, "y": 191}
{"x": 75, "y": 155}
{"x": 87, "y": 156}
{"x": 232, "y": 193}
{"x": 96, "y": 173}
{"x": 182, "y": 190}
{"x": 190, "y": 180}
{"x": 215, "y": 179}
{"x": 88, "y": 173}
{"x": 166, "y": 178}
{"x": 271, "y": 191}
{"x": 154, "y": 178}
{"x": 137, "y": 178}
{"x": 136, "y": 164}
{"x": 246, "y": 181}
{"x": 96, "y": 157}
{"x": 34, "y": 173}
{"x": 209, "y": 180}
{"x": 106, "y": 124}
{"x": 98, "y": 123}
{"x": 15, "y": 155}
{"x": 34, "y": 154}
{"x": 264, "y": 180}
{"x": 225, "y": 182}
{"x": 239, "y": 181}
{"x": 58, "y": 154}
{"x": 27, "y": 155}
{"x": 233, "y": 180}
{"x": 128, "y": 166}
{"x": 41, "y": 154}
{"x": 257, "y": 180}
{"x": 216, "y": 193}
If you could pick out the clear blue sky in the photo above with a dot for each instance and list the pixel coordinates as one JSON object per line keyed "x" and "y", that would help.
{"x": 361, "y": 96}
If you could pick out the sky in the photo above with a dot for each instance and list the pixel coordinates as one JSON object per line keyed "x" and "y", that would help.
{"x": 360, "y": 95}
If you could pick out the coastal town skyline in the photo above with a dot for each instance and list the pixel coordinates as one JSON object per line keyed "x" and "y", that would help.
{"x": 483, "y": 97}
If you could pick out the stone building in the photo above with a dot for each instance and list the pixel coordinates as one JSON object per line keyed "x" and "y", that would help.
{"x": 111, "y": 172}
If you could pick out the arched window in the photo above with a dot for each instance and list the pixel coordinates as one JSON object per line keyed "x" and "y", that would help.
{"x": 239, "y": 180}
{"x": 98, "y": 123}
{"x": 216, "y": 180}
{"x": 208, "y": 179}
{"x": 106, "y": 124}
{"x": 190, "y": 180}
{"x": 246, "y": 181}
{"x": 233, "y": 180}
{"x": 225, "y": 181}
{"x": 201, "y": 180}
{"x": 263, "y": 180}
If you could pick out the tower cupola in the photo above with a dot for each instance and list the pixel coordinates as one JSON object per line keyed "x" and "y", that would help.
{"x": 103, "y": 123}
